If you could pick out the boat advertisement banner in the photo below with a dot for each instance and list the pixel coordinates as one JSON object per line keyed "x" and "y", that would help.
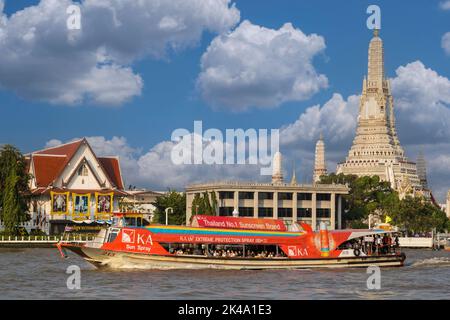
{"x": 238, "y": 223}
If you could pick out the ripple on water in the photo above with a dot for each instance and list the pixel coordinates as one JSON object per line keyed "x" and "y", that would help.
{"x": 40, "y": 274}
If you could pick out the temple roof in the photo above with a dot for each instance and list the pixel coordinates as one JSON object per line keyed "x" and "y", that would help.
{"x": 48, "y": 164}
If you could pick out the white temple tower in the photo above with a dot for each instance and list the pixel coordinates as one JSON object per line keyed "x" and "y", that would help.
{"x": 277, "y": 173}
{"x": 376, "y": 149}
{"x": 422, "y": 170}
{"x": 448, "y": 204}
{"x": 320, "y": 167}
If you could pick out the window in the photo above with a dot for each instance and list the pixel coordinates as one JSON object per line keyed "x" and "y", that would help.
{"x": 226, "y": 211}
{"x": 83, "y": 171}
{"x": 323, "y": 213}
{"x": 246, "y": 195}
{"x": 304, "y": 212}
{"x": 265, "y": 196}
{"x": 265, "y": 212}
{"x": 323, "y": 197}
{"x": 226, "y": 195}
{"x": 304, "y": 196}
{"x": 285, "y": 196}
{"x": 246, "y": 211}
{"x": 285, "y": 212}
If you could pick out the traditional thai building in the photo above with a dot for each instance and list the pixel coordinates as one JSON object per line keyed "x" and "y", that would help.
{"x": 422, "y": 170}
{"x": 70, "y": 183}
{"x": 376, "y": 148}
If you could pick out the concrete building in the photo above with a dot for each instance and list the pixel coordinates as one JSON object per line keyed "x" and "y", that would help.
{"x": 376, "y": 149}
{"x": 141, "y": 201}
{"x": 293, "y": 202}
{"x": 307, "y": 203}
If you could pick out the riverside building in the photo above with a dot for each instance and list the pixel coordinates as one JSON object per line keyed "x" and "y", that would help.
{"x": 291, "y": 202}
{"x": 70, "y": 185}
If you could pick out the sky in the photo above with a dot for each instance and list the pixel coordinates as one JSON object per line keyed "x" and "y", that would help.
{"x": 137, "y": 71}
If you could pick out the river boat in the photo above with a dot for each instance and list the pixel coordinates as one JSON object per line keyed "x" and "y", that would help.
{"x": 232, "y": 243}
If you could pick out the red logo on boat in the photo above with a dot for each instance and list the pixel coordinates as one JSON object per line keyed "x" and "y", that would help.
{"x": 128, "y": 235}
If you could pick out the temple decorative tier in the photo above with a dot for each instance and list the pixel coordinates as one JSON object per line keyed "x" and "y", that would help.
{"x": 376, "y": 149}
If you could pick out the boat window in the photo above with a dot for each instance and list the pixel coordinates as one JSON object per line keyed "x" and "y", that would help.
{"x": 225, "y": 250}
{"x": 131, "y": 222}
{"x": 112, "y": 235}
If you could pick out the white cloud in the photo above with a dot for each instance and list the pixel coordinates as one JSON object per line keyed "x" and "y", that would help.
{"x": 336, "y": 119}
{"x": 422, "y": 100}
{"x": 254, "y": 66}
{"x": 41, "y": 59}
{"x": 445, "y": 5}
{"x": 446, "y": 43}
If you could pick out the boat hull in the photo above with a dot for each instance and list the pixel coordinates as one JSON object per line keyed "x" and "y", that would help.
{"x": 118, "y": 260}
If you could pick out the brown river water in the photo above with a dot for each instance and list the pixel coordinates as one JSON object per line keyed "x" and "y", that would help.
{"x": 41, "y": 274}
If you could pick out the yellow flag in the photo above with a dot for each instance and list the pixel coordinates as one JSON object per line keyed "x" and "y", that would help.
{"x": 388, "y": 219}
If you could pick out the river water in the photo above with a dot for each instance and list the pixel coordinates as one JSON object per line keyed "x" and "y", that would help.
{"x": 41, "y": 274}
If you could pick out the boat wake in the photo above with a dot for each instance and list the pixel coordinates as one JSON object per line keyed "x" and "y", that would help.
{"x": 441, "y": 261}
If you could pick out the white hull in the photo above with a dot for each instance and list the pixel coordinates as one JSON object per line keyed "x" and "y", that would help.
{"x": 114, "y": 259}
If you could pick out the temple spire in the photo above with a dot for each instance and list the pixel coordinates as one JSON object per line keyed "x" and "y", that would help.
{"x": 320, "y": 167}
{"x": 277, "y": 173}
{"x": 375, "y": 74}
{"x": 294, "y": 177}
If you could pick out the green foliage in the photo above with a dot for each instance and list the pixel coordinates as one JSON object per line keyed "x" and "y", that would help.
{"x": 204, "y": 204}
{"x": 174, "y": 200}
{"x": 367, "y": 195}
{"x": 371, "y": 196}
{"x": 417, "y": 215}
{"x": 14, "y": 190}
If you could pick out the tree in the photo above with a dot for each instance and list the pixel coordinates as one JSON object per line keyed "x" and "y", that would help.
{"x": 196, "y": 204}
{"x": 371, "y": 196}
{"x": 214, "y": 204}
{"x": 368, "y": 195}
{"x": 202, "y": 204}
{"x": 14, "y": 189}
{"x": 418, "y": 215}
{"x": 176, "y": 201}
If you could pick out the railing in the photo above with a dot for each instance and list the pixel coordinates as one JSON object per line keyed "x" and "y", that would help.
{"x": 45, "y": 239}
{"x": 412, "y": 242}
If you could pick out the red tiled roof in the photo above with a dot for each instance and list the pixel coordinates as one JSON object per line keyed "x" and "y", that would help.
{"x": 67, "y": 149}
{"x": 49, "y": 164}
{"x": 47, "y": 168}
{"x": 112, "y": 169}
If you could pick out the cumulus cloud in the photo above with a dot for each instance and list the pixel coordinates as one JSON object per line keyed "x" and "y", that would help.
{"x": 422, "y": 100}
{"x": 445, "y": 42}
{"x": 254, "y": 66}
{"x": 156, "y": 169}
{"x": 41, "y": 59}
{"x": 445, "y": 5}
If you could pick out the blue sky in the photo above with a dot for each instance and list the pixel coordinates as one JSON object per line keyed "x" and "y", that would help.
{"x": 170, "y": 97}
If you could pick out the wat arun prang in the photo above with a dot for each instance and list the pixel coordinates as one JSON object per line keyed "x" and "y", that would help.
{"x": 376, "y": 149}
